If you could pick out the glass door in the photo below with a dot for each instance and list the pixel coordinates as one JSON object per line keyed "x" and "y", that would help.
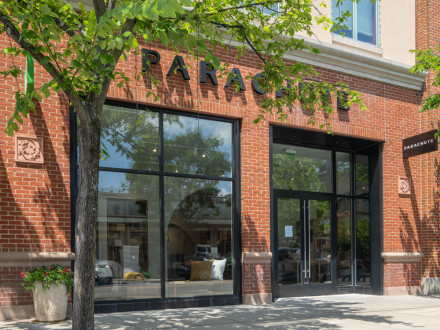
{"x": 303, "y": 243}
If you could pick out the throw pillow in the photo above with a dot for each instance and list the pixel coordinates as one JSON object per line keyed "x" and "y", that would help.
{"x": 218, "y": 268}
{"x": 201, "y": 270}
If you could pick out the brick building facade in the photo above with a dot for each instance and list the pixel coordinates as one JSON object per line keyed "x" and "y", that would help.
{"x": 249, "y": 225}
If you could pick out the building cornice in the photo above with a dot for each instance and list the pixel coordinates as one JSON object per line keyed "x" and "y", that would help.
{"x": 360, "y": 64}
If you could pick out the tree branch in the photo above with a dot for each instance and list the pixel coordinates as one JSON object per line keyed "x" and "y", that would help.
{"x": 254, "y": 49}
{"x": 64, "y": 27}
{"x": 115, "y": 54}
{"x": 15, "y": 35}
{"x": 245, "y": 6}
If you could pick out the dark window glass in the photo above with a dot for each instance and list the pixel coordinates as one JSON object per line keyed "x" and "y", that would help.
{"x": 198, "y": 224}
{"x": 343, "y": 173}
{"x": 362, "y": 175}
{"x": 299, "y": 168}
{"x": 289, "y": 241}
{"x": 198, "y": 213}
{"x": 197, "y": 146}
{"x": 131, "y": 138}
{"x": 363, "y": 241}
{"x": 128, "y": 237}
{"x": 343, "y": 215}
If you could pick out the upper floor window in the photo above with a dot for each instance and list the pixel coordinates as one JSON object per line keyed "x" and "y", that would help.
{"x": 362, "y": 25}
{"x": 271, "y": 9}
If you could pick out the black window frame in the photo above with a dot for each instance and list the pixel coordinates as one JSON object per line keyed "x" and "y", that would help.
{"x": 111, "y": 306}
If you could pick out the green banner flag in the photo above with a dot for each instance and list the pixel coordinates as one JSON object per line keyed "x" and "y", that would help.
{"x": 29, "y": 77}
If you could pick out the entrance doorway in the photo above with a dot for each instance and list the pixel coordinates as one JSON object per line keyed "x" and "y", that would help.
{"x": 304, "y": 245}
{"x": 326, "y": 214}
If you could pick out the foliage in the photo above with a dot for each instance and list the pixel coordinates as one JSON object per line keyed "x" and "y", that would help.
{"x": 428, "y": 60}
{"x": 47, "y": 276}
{"x": 80, "y": 48}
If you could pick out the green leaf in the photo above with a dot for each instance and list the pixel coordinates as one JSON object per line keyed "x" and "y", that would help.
{"x": 216, "y": 62}
{"x": 152, "y": 12}
{"x": 132, "y": 42}
{"x": 9, "y": 131}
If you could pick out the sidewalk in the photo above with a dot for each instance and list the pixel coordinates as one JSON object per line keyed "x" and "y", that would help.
{"x": 324, "y": 312}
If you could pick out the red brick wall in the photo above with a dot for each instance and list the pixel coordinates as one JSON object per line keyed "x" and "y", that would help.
{"x": 11, "y": 291}
{"x": 392, "y": 116}
{"x": 428, "y": 22}
{"x": 34, "y": 198}
{"x": 35, "y": 214}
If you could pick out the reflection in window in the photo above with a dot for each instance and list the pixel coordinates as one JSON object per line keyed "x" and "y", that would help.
{"x": 198, "y": 223}
{"x": 289, "y": 241}
{"x": 197, "y": 146}
{"x": 363, "y": 241}
{"x": 131, "y": 138}
{"x": 362, "y": 23}
{"x": 198, "y": 213}
{"x": 343, "y": 173}
{"x": 128, "y": 246}
{"x": 362, "y": 175}
{"x": 343, "y": 215}
{"x": 299, "y": 168}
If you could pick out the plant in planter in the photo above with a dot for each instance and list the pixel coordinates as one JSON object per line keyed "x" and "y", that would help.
{"x": 50, "y": 286}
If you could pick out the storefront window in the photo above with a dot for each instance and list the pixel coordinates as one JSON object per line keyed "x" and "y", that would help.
{"x": 197, "y": 146}
{"x": 303, "y": 169}
{"x": 343, "y": 214}
{"x": 194, "y": 252}
{"x": 198, "y": 224}
{"x": 343, "y": 173}
{"x": 363, "y": 241}
{"x": 128, "y": 239}
{"x": 131, "y": 138}
{"x": 362, "y": 175}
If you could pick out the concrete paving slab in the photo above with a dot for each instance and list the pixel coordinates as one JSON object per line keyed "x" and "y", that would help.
{"x": 352, "y": 311}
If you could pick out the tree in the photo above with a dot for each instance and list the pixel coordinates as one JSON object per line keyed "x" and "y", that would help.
{"x": 427, "y": 60}
{"x": 80, "y": 48}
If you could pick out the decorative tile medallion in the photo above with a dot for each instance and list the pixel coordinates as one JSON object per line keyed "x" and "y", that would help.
{"x": 28, "y": 149}
{"x": 404, "y": 186}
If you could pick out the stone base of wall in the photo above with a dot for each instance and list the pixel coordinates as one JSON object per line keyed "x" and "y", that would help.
{"x": 430, "y": 285}
{"x": 402, "y": 290}
{"x": 17, "y": 312}
{"x": 23, "y": 312}
{"x": 257, "y": 298}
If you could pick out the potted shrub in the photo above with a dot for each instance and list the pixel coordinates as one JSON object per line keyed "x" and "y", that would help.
{"x": 50, "y": 287}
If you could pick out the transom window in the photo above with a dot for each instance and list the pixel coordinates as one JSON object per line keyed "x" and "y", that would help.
{"x": 362, "y": 25}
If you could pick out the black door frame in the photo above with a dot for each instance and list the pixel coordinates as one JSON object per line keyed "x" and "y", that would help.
{"x": 338, "y": 143}
{"x": 303, "y": 289}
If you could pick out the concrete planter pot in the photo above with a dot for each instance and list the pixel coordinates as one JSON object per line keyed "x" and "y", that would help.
{"x": 50, "y": 304}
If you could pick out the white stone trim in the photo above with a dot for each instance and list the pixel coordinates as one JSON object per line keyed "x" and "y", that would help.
{"x": 337, "y": 39}
{"x": 402, "y": 257}
{"x": 257, "y": 298}
{"x": 35, "y": 259}
{"x": 402, "y": 290}
{"x": 256, "y": 257}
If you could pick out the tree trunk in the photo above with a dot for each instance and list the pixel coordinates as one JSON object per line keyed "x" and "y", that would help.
{"x": 86, "y": 214}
